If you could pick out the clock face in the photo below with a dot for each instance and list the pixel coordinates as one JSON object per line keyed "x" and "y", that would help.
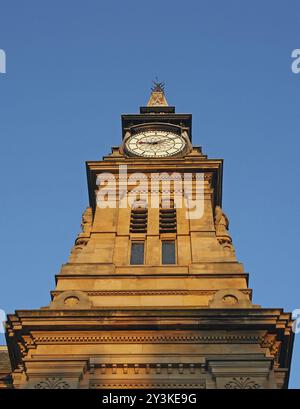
{"x": 155, "y": 144}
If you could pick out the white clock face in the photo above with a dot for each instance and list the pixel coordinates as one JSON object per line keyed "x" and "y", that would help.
{"x": 155, "y": 144}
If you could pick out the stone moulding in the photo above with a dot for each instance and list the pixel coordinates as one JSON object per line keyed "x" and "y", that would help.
{"x": 149, "y": 292}
{"x": 147, "y": 368}
{"x": 194, "y": 339}
{"x": 148, "y": 385}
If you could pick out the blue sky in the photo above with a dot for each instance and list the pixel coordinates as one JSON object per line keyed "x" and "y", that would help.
{"x": 74, "y": 66}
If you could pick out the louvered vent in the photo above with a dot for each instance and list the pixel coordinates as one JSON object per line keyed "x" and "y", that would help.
{"x": 167, "y": 221}
{"x": 138, "y": 220}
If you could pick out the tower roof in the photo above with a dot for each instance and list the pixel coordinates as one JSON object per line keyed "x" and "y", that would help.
{"x": 157, "y": 97}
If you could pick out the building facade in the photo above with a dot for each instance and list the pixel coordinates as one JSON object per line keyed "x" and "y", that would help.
{"x": 152, "y": 295}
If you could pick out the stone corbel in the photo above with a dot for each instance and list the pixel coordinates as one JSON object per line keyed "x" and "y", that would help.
{"x": 270, "y": 341}
{"x": 26, "y": 344}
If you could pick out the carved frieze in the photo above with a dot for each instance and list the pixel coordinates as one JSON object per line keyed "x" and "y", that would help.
{"x": 148, "y": 385}
{"x": 149, "y": 339}
{"x": 242, "y": 383}
{"x": 151, "y": 292}
{"x": 52, "y": 383}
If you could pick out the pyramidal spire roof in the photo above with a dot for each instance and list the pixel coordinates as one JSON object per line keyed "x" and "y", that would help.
{"x": 157, "y": 97}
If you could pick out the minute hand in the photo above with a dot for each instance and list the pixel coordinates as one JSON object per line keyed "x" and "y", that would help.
{"x": 153, "y": 143}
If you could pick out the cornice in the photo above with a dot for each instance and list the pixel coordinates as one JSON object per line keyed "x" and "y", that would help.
{"x": 151, "y": 318}
{"x": 150, "y": 292}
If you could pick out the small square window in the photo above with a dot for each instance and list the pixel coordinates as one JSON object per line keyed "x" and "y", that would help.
{"x": 137, "y": 253}
{"x": 168, "y": 252}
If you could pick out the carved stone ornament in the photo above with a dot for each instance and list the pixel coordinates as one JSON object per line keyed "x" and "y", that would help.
{"x": 270, "y": 341}
{"x": 242, "y": 383}
{"x": 208, "y": 177}
{"x": 231, "y": 298}
{"x": 84, "y": 236}
{"x": 52, "y": 383}
{"x": 70, "y": 300}
{"x": 87, "y": 218}
{"x": 221, "y": 226}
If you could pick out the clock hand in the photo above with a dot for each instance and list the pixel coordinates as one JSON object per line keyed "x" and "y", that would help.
{"x": 154, "y": 142}
{"x": 149, "y": 143}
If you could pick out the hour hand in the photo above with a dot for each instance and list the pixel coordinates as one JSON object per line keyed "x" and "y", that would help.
{"x": 148, "y": 143}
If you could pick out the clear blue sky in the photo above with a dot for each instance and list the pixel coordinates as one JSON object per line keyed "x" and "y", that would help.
{"x": 74, "y": 66}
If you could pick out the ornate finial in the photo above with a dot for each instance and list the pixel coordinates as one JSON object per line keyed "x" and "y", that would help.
{"x": 158, "y": 86}
{"x": 157, "y": 97}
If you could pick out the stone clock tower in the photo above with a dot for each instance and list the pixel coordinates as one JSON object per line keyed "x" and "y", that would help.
{"x": 152, "y": 295}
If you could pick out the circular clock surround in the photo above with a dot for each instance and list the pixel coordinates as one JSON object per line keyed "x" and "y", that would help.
{"x": 155, "y": 144}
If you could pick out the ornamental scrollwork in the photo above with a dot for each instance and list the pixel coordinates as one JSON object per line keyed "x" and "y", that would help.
{"x": 242, "y": 383}
{"x": 52, "y": 383}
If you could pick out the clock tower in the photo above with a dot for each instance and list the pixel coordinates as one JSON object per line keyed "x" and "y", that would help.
{"x": 152, "y": 295}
